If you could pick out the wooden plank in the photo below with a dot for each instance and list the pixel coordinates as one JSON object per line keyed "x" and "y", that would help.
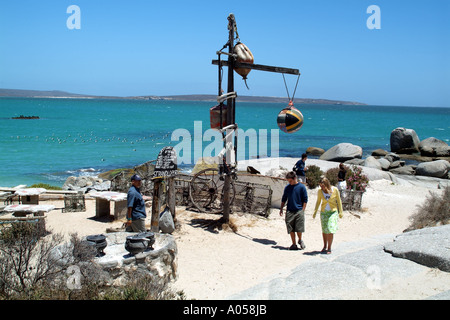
{"x": 260, "y": 67}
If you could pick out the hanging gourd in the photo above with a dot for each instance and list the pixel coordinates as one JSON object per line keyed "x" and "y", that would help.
{"x": 244, "y": 55}
{"x": 290, "y": 119}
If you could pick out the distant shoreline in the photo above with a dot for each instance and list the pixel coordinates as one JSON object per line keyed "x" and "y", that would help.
{"x": 18, "y": 93}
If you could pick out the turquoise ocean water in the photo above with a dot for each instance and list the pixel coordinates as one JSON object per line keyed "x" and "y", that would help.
{"x": 89, "y": 136}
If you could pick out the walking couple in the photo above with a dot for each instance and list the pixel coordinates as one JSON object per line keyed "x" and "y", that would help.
{"x": 297, "y": 198}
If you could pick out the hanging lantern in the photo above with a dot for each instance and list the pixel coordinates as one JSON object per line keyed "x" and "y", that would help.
{"x": 290, "y": 119}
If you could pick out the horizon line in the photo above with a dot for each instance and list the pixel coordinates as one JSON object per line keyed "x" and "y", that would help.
{"x": 27, "y": 93}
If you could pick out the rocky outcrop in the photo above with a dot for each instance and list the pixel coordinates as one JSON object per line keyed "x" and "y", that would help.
{"x": 404, "y": 141}
{"x": 342, "y": 152}
{"x": 428, "y": 247}
{"x": 390, "y": 162}
{"x": 160, "y": 263}
{"x": 86, "y": 183}
{"x": 117, "y": 266}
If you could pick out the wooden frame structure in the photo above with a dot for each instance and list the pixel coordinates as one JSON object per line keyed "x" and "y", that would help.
{"x": 231, "y": 101}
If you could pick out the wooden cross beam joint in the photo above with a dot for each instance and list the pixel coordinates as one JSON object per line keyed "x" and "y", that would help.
{"x": 260, "y": 67}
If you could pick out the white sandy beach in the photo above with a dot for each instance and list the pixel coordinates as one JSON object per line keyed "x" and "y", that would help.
{"x": 215, "y": 264}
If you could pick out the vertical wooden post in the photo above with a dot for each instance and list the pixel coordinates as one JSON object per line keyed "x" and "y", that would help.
{"x": 156, "y": 205}
{"x": 171, "y": 201}
{"x": 231, "y": 101}
{"x": 230, "y": 114}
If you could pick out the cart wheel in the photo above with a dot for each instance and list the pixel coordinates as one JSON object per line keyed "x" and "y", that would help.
{"x": 206, "y": 191}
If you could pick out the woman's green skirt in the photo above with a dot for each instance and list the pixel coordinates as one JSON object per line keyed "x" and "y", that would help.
{"x": 329, "y": 220}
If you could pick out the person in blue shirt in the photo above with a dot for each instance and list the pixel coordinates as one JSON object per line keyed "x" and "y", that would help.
{"x": 296, "y": 196}
{"x": 300, "y": 169}
{"x": 136, "y": 206}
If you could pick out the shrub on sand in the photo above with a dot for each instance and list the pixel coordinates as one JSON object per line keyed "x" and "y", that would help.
{"x": 433, "y": 212}
{"x": 313, "y": 175}
{"x": 45, "y": 186}
{"x": 332, "y": 176}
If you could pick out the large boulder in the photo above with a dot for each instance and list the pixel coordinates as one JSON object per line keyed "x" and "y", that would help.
{"x": 166, "y": 224}
{"x": 379, "y": 152}
{"x": 372, "y": 162}
{"x": 438, "y": 169}
{"x": 404, "y": 141}
{"x": 342, "y": 152}
{"x": 385, "y": 164}
{"x": 434, "y": 147}
{"x": 315, "y": 151}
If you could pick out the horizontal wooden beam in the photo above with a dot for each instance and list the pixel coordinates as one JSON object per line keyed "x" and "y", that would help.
{"x": 260, "y": 67}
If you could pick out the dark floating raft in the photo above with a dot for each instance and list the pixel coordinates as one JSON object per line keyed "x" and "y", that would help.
{"x": 25, "y": 117}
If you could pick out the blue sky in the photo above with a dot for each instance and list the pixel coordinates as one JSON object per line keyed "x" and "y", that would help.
{"x": 142, "y": 47}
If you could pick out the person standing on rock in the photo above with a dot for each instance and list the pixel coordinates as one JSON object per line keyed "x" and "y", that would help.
{"x": 136, "y": 206}
{"x": 296, "y": 196}
{"x": 330, "y": 210}
{"x": 300, "y": 169}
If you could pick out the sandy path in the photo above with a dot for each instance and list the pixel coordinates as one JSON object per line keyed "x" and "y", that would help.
{"x": 215, "y": 264}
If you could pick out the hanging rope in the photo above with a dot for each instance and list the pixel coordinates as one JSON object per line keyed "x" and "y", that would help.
{"x": 291, "y": 100}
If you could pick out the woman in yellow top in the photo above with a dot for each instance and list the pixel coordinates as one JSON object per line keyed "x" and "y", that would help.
{"x": 330, "y": 209}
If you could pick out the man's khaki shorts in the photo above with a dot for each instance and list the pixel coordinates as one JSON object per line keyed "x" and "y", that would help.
{"x": 137, "y": 226}
{"x": 295, "y": 221}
